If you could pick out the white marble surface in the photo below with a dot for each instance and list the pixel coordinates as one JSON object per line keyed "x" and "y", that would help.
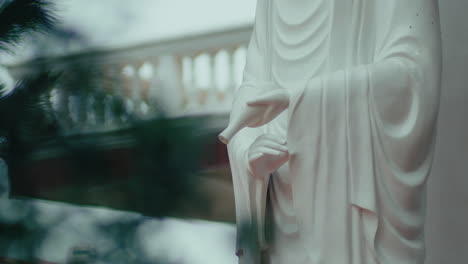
{"x": 362, "y": 82}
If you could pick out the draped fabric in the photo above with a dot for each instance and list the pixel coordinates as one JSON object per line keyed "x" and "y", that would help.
{"x": 364, "y": 78}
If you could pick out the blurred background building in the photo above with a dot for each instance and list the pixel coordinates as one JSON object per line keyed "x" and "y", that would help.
{"x": 181, "y": 58}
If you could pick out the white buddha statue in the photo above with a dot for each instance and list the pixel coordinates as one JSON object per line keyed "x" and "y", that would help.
{"x": 339, "y": 103}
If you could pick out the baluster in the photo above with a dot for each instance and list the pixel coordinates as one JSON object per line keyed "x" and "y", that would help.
{"x": 191, "y": 84}
{"x": 208, "y": 91}
{"x": 59, "y": 103}
{"x": 98, "y": 96}
{"x": 128, "y": 89}
{"x": 193, "y": 96}
{"x": 86, "y": 103}
{"x": 106, "y": 94}
{"x": 204, "y": 77}
{"x": 146, "y": 76}
{"x": 222, "y": 69}
{"x": 120, "y": 89}
{"x": 238, "y": 67}
{"x": 137, "y": 90}
{"x": 112, "y": 90}
{"x": 193, "y": 87}
{"x": 183, "y": 72}
{"x": 170, "y": 84}
{"x": 64, "y": 114}
{"x": 197, "y": 80}
{"x": 213, "y": 91}
{"x": 231, "y": 68}
{"x": 81, "y": 104}
{"x": 158, "y": 82}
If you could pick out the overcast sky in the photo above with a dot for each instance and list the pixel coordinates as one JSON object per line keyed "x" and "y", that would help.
{"x": 121, "y": 23}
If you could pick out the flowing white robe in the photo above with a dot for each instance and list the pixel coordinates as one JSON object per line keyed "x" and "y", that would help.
{"x": 364, "y": 77}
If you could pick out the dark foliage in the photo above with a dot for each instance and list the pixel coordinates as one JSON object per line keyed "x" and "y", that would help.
{"x": 26, "y": 114}
{"x": 27, "y": 100}
{"x": 25, "y": 111}
{"x": 20, "y": 17}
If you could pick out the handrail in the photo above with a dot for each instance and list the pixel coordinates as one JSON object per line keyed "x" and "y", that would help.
{"x": 188, "y": 44}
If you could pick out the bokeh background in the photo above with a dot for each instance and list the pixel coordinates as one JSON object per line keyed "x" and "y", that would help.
{"x": 133, "y": 172}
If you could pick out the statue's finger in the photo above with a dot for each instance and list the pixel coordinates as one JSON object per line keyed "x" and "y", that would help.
{"x": 272, "y": 152}
{"x": 256, "y": 156}
{"x": 265, "y": 99}
{"x": 276, "y": 146}
{"x": 260, "y": 102}
{"x": 275, "y": 138}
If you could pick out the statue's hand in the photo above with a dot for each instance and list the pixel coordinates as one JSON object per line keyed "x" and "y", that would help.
{"x": 271, "y": 104}
{"x": 266, "y": 154}
{"x": 254, "y": 108}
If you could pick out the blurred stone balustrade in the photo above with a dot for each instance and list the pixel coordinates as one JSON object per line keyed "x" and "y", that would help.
{"x": 194, "y": 75}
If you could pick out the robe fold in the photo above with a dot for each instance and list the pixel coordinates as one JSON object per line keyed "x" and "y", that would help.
{"x": 364, "y": 79}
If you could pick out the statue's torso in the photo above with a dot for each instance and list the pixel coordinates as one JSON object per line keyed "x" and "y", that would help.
{"x": 308, "y": 38}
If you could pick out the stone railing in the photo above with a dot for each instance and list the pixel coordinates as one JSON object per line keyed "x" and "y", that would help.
{"x": 186, "y": 76}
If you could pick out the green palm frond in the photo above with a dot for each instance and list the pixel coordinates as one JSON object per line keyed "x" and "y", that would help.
{"x": 26, "y": 112}
{"x": 20, "y": 17}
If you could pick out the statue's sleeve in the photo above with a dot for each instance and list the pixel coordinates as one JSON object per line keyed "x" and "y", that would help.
{"x": 250, "y": 192}
{"x": 390, "y": 106}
